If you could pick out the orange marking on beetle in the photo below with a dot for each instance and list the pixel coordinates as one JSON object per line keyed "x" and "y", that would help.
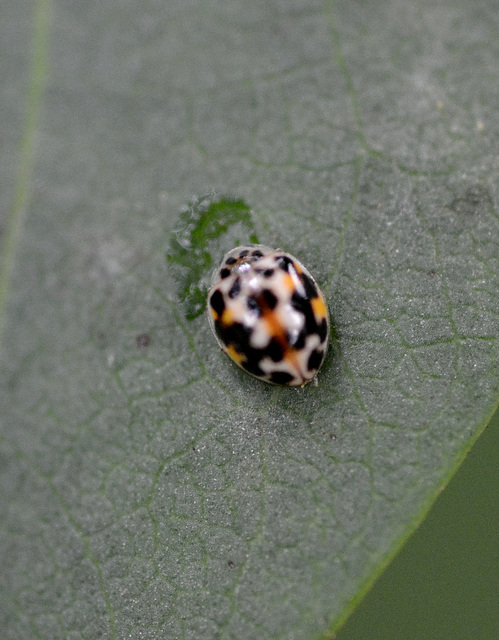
{"x": 235, "y": 355}
{"x": 273, "y": 324}
{"x": 227, "y": 317}
{"x": 319, "y": 307}
{"x": 288, "y": 282}
{"x": 277, "y": 330}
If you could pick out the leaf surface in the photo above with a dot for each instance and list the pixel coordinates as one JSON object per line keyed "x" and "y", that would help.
{"x": 147, "y": 486}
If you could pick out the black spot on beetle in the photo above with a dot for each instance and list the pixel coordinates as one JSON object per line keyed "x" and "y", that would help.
{"x": 269, "y": 298}
{"x": 303, "y": 305}
{"x": 244, "y": 253}
{"x": 322, "y": 330}
{"x": 217, "y": 302}
{"x": 231, "y": 260}
{"x": 274, "y": 350}
{"x": 238, "y": 335}
{"x": 315, "y": 360}
{"x": 257, "y": 254}
{"x": 253, "y": 305}
{"x": 235, "y": 290}
{"x": 310, "y": 288}
{"x": 224, "y": 273}
{"x": 251, "y": 365}
{"x": 268, "y": 273}
{"x": 281, "y": 377}
{"x": 220, "y": 331}
{"x": 284, "y": 262}
{"x": 297, "y": 342}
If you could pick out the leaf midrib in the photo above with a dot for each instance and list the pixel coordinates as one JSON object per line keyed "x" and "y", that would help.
{"x": 38, "y": 74}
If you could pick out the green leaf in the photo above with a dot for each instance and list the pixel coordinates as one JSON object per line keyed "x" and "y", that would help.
{"x": 447, "y": 575}
{"x": 148, "y": 487}
{"x": 205, "y": 220}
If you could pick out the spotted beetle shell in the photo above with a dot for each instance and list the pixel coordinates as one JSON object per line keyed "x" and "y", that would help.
{"x": 269, "y": 315}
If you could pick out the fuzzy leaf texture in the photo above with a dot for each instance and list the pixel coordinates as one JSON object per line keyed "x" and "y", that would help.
{"x": 148, "y": 487}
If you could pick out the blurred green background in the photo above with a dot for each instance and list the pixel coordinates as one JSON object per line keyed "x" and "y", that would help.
{"x": 444, "y": 584}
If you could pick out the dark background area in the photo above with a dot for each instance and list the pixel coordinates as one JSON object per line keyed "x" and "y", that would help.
{"x": 445, "y": 582}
